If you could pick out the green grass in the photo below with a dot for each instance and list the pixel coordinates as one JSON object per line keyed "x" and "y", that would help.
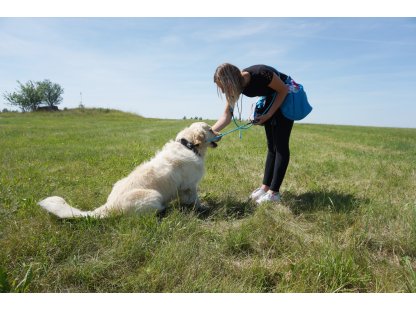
{"x": 347, "y": 222}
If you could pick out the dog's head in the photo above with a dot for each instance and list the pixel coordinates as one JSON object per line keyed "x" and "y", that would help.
{"x": 200, "y": 135}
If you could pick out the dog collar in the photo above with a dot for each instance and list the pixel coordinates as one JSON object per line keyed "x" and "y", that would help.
{"x": 189, "y": 146}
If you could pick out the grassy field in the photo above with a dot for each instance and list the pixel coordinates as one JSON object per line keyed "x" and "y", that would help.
{"x": 347, "y": 222}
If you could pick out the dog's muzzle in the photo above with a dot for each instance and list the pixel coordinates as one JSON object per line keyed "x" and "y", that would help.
{"x": 214, "y": 140}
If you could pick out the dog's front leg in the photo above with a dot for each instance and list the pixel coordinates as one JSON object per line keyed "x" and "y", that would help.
{"x": 189, "y": 197}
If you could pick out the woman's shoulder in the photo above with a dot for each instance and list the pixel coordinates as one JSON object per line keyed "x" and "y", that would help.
{"x": 260, "y": 68}
{"x": 261, "y": 72}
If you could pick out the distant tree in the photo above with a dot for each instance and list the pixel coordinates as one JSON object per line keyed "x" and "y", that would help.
{"x": 51, "y": 92}
{"x": 30, "y": 95}
{"x": 27, "y": 98}
{"x": 184, "y": 118}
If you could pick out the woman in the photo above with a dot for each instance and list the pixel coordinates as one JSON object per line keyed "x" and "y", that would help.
{"x": 260, "y": 80}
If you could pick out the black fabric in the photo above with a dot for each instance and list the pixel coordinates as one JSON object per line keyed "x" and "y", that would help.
{"x": 278, "y": 129}
{"x": 189, "y": 146}
{"x": 260, "y": 78}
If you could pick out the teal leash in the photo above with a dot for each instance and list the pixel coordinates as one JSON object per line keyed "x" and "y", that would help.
{"x": 238, "y": 128}
{"x": 241, "y": 127}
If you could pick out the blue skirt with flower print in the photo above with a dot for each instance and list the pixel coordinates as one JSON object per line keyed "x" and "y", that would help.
{"x": 296, "y": 105}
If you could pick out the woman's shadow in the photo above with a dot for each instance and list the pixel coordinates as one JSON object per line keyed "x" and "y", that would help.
{"x": 324, "y": 200}
{"x": 309, "y": 202}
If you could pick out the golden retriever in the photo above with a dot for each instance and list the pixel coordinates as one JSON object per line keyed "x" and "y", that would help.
{"x": 173, "y": 172}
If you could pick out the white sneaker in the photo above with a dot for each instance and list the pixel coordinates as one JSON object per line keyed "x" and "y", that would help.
{"x": 269, "y": 197}
{"x": 257, "y": 193}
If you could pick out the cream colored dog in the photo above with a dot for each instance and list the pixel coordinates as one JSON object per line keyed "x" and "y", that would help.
{"x": 175, "y": 171}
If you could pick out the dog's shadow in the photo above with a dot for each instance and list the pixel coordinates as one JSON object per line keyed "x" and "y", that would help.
{"x": 225, "y": 208}
{"x": 314, "y": 201}
{"x": 215, "y": 208}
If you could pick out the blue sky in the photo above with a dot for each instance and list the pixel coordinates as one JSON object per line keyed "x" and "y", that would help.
{"x": 356, "y": 71}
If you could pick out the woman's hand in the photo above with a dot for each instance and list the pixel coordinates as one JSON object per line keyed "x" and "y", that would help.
{"x": 261, "y": 119}
{"x": 216, "y": 132}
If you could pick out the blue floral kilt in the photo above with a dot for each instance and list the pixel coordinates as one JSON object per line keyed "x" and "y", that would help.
{"x": 296, "y": 105}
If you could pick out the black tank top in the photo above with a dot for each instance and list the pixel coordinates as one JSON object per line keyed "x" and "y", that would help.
{"x": 260, "y": 78}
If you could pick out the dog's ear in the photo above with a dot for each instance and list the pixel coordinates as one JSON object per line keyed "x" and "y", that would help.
{"x": 198, "y": 138}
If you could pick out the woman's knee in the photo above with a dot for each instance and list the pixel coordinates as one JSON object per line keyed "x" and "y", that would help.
{"x": 284, "y": 151}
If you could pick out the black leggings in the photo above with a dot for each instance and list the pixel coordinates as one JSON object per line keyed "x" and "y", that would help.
{"x": 278, "y": 129}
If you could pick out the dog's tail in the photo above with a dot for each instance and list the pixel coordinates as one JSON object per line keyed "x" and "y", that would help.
{"x": 60, "y": 208}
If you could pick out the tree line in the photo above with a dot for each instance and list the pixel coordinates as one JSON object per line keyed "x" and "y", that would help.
{"x": 31, "y": 95}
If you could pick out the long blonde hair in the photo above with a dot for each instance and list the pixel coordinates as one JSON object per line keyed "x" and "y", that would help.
{"x": 231, "y": 80}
